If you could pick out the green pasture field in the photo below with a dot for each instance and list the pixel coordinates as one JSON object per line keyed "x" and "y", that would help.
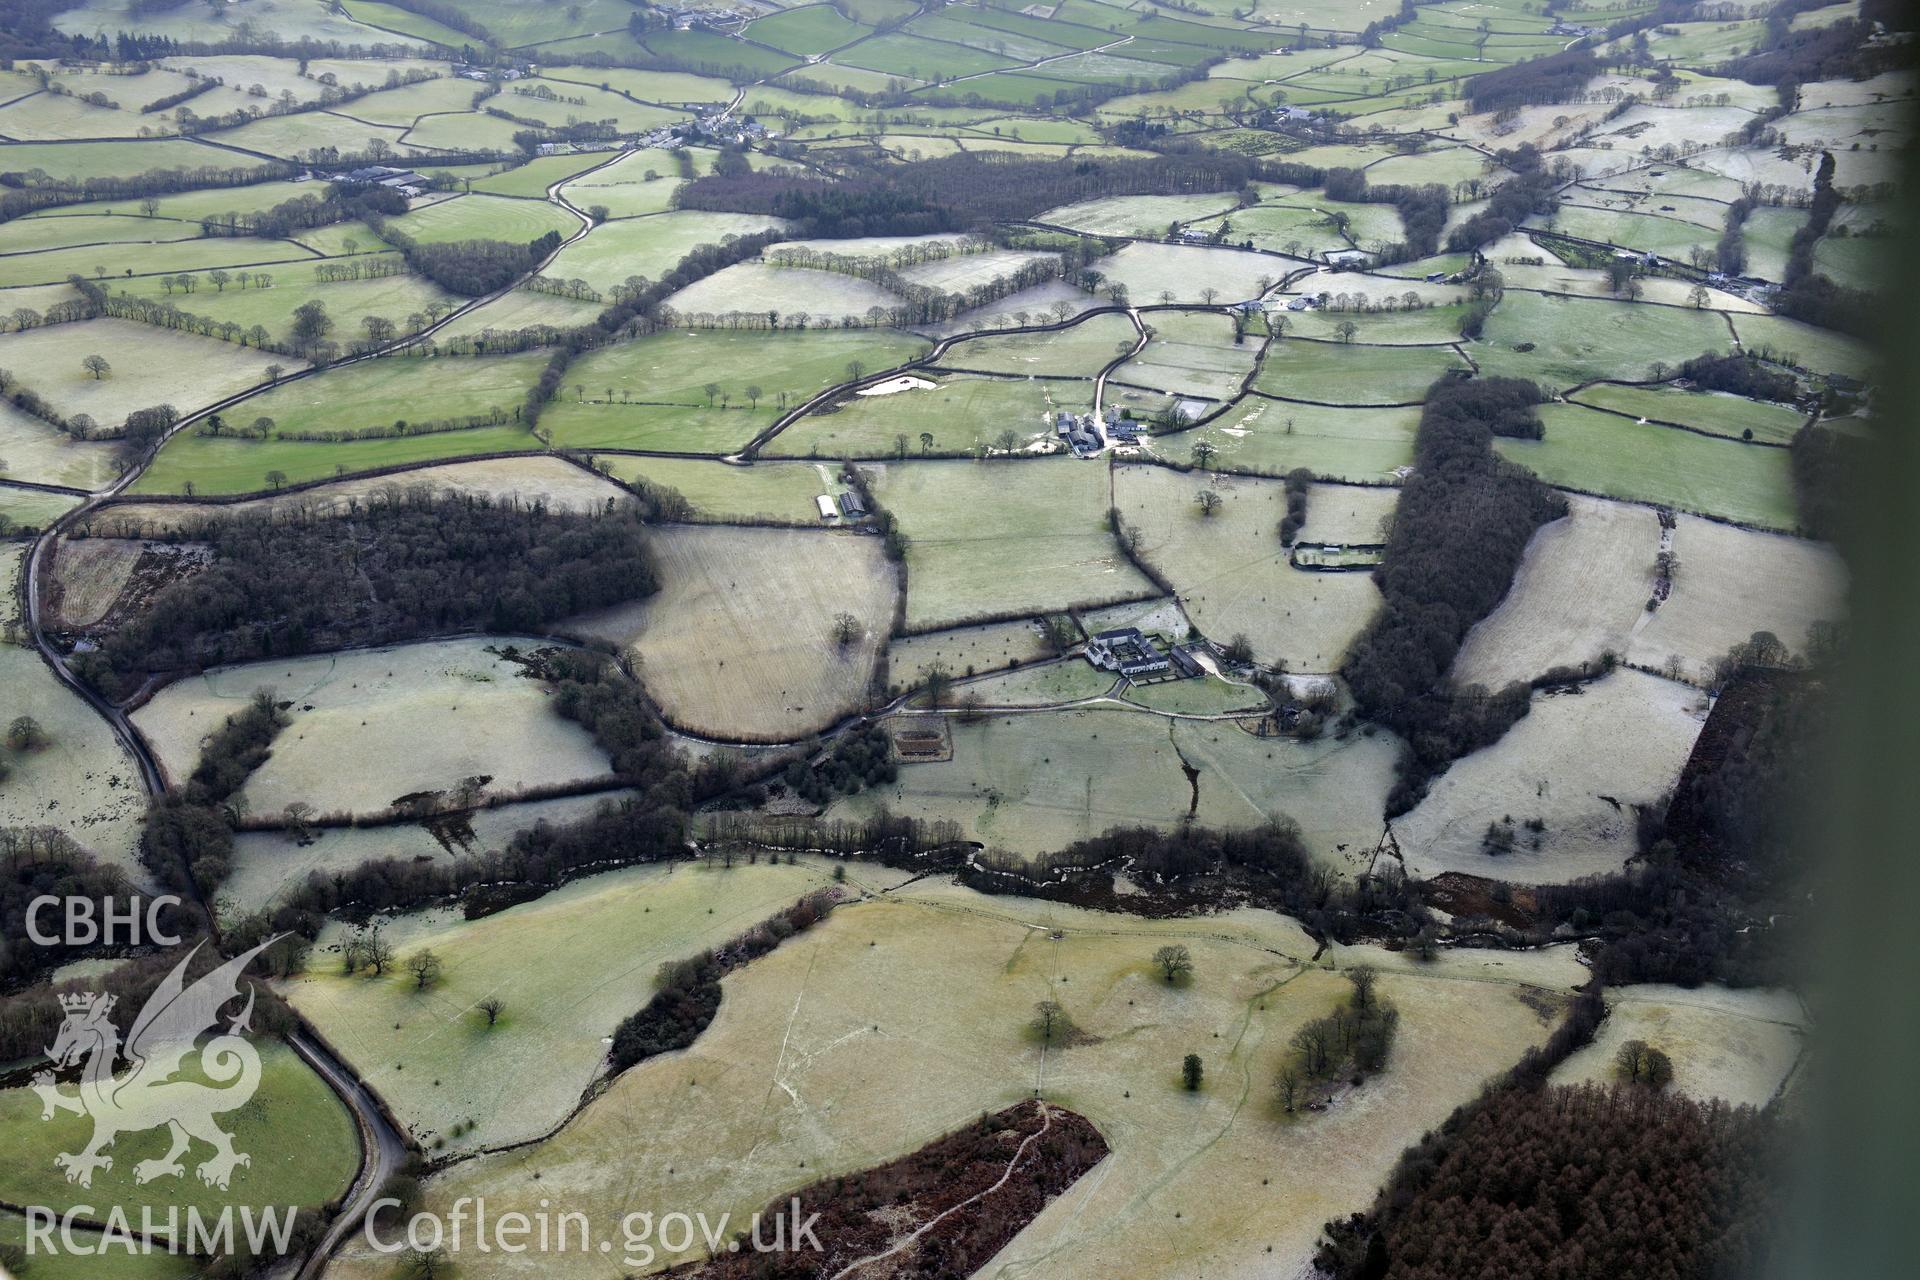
{"x": 100, "y": 1261}
{"x": 1419, "y": 326}
{"x": 1205, "y": 696}
{"x": 1045, "y": 684}
{"x": 830, "y": 989}
{"x": 1446, "y": 166}
{"x": 226, "y": 465}
{"x": 755, "y": 288}
{"x": 420, "y": 717}
{"x": 33, "y": 509}
{"x": 1152, "y": 272}
{"x": 35, "y": 451}
{"x": 130, "y": 260}
{"x": 348, "y": 302}
{"x": 484, "y": 217}
{"x": 150, "y": 366}
{"x": 464, "y": 131}
{"x": 1023, "y": 46}
{"x": 377, "y": 393}
{"x": 305, "y": 133}
{"x": 442, "y": 1066}
{"x": 524, "y": 308}
{"x": 1715, "y": 412}
{"x": 712, "y": 53}
{"x": 625, "y": 190}
{"x": 1579, "y": 340}
{"x": 389, "y": 18}
{"x": 740, "y": 640}
{"x": 288, "y": 19}
{"x": 964, "y": 273}
{"x": 1854, "y": 261}
{"x": 1080, "y": 350}
{"x": 961, "y": 412}
{"x": 1739, "y": 1045}
{"x": 32, "y": 235}
{"x": 665, "y": 87}
{"x": 649, "y": 247}
{"x": 1035, "y": 781}
{"x": 407, "y": 103}
{"x": 1272, "y": 438}
{"x": 601, "y": 105}
{"x": 1138, "y": 215}
{"x": 1231, "y": 572}
{"x": 898, "y": 53}
{"x": 1609, "y": 455}
{"x": 649, "y": 393}
{"x": 531, "y": 180}
{"x": 991, "y": 538}
{"x": 47, "y": 118}
{"x": 185, "y": 206}
{"x": 782, "y": 492}
{"x": 1349, "y": 373}
{"x": 806, "y": 30}
{"x": 76, "y": 161}
{"x": 962, "y": 651}
{"x": 1668, "y": 236}
{"x": 1567, "y": 764}
{"x": 1281, "y": 227}
{"x": 514, "y": 25}
{"x": 1192, "y": 354}
{"x": 83, "y": 778}
{"x": 1804, "y": 346}
{"x": 302, "y": 1142}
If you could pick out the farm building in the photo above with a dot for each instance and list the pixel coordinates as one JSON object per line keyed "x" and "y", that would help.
{"x": 851, "y": 506}
{"x": 1128, "y": 652}
{"x": 827, "y": 508}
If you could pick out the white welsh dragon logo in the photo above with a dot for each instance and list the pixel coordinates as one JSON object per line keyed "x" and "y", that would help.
{"x": 148, "y": 1095}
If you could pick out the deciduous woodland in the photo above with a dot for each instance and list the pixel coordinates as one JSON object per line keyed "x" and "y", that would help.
{"x": 1096, "y": 641}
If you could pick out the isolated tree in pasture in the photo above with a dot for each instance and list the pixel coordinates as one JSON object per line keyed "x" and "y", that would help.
{"x": 1209, "y": 502}
{"x": 855, "y": 368}
{"x": 1006, "y": 441}
{"x": 25, "y": 734}
{"x": 753, "y": 394}
{"x": 276, "y": 479}
{"x": 711, "y": 390}
{"x": 1699, "y": 297}
{"x": 379, "y": 954}
{"x": 1208, "y": 294}
{"x": 96, "y": 364}
{"x": 1191, "y": 1072}
{"x": 1315, "y": 1043}
{"x": 1631, "y": 1060}
{"x": 926, "y": 442}
{"x": 274, "y": 371}
{"x": 1048, "y": 1019}
{"x": 939, "y": 684}
{"x": 491, "y": 1007}
{"x": 425, "y": 968}
{"x": 1364, "y": 978}
{"x": 1288, "y": 1086}
{"x": 150, "y": 206}
{"x": 1345, "y": 330}
{"x": 1174, "y": 962}
{"x": 846, "y": 629}
{"x": 1202, "y": 453}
